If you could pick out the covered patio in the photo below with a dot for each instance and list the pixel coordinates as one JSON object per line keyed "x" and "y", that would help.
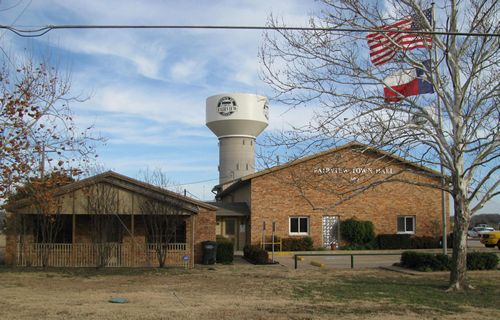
{"x": 110, "y": 220}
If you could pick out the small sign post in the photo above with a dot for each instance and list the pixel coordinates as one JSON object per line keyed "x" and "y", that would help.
{"x": 185, "y": 259}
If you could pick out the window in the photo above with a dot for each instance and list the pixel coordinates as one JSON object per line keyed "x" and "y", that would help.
{"x": 299, "y": 225}
{"x": 406, "y": 224}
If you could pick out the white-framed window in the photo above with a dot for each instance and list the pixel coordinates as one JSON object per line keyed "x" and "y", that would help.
{"x": 406, "y": 224}
{"x": 299, "y": 225}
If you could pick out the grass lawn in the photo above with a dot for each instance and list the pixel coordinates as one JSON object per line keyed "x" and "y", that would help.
{"x": 242, "y": 291}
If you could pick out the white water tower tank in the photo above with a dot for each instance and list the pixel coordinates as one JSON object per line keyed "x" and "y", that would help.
{"x": 236, "y": 119}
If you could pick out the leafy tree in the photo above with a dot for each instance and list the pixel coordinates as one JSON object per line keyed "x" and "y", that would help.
{"x": 460, "y": 130}
{"x": 37, "y": 126}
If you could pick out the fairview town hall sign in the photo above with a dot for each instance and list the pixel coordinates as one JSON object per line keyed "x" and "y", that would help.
{"x": 355, "y": 170}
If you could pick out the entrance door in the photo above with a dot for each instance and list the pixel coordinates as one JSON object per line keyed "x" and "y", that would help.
{"x": 331, "y": 231}
{"x": 230, "y": 232}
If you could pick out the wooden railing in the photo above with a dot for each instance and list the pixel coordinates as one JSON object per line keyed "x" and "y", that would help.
{"x": 104, "y": 255}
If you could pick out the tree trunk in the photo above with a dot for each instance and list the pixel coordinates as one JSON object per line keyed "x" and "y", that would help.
{"x": 458, "y": 275}
{"x": 161, "y": 255}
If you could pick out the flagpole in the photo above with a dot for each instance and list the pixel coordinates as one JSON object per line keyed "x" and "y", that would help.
{"x": 438, "y": 104}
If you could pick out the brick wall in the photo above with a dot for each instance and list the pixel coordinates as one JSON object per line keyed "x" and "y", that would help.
{"x": 307, "y": 189}
{"x": 204, "y": 224}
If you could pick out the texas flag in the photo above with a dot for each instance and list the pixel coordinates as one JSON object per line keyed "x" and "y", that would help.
{"x": 406, "y": 83}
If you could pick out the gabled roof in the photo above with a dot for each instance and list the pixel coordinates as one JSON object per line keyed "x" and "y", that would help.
{"x": 351, "y": 145}
{"x": 239, "y": 209}
{"x": 123, "y": 182}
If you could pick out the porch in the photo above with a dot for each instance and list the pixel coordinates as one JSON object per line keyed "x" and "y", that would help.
{"x": 109, "y": 220}
{"x": 105, "y": 254}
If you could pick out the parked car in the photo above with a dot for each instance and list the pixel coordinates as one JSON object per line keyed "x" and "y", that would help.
{"x": 476, "y": 231}
{"x": 490, "y": 239}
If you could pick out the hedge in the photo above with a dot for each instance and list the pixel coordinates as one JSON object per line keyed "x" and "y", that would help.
{"x": 297, "y": 244}
{"x": 482, "y": 261}
{"x": 225, "y": 251}
{"x": 439, "y": 262}
{"x": 406, "y": 241}
{"x": 256, "y": 254}
{"x": 394, "y": 241}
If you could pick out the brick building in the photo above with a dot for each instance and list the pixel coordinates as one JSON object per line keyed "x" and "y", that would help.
{"x": 80, "y": 237}
{"x": 312, "y": 195}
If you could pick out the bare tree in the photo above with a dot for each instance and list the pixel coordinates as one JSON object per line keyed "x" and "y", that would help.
{"x": 457, "y": 128}
{"x": 105, "y": 226}
{"x": 162, "y": 215}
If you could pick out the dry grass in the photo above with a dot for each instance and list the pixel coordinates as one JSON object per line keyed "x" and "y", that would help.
{"x": 239, "y": 291}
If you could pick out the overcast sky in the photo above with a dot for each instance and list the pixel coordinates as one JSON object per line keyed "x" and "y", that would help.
{"x": 147, "y": 88}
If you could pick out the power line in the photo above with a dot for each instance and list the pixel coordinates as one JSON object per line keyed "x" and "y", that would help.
{"x": 38, "y": 32}
{"x": 194, "y": 182}
{"x": 12, "y": 25}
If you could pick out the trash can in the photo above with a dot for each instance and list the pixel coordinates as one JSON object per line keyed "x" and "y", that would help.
{"x": 209, "y": 252}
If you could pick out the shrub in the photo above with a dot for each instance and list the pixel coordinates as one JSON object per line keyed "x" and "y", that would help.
{"x": 482, "y": 261}
{"x": 298, "y": 244}
{"x": 424, "y": 242}
{"x": 425, "y": 261}
{"x": 225, "y": 251}
{"x": 357, "y": 232}
{"x": 255, "y": 254}
{"x": 438, "y": 262}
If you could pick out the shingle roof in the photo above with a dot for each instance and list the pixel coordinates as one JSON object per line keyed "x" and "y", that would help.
{"x": 119, "y": 180}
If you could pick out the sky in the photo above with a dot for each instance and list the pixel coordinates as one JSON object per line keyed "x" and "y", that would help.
{"x": 146, "y": 89}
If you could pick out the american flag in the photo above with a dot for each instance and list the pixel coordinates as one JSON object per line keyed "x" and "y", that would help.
{"x": 384, "y": 45}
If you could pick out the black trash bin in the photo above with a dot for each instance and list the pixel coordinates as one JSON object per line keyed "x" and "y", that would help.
{"x": 209, "y": 252}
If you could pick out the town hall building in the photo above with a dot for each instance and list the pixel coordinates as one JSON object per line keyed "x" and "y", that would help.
{"x": 311, "y": 196}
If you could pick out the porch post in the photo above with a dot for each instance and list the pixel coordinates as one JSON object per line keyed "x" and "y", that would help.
{"x": 192, "y": 241}
{"x": 73, "y": 232}
{"x": 132, "y": 231}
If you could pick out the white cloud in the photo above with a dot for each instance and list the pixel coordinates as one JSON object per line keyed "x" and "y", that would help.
{"x": 149, "y": 103}
{"x": 187, "y": 70}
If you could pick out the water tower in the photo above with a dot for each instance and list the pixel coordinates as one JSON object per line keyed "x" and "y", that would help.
{"x": 236, "y": 119}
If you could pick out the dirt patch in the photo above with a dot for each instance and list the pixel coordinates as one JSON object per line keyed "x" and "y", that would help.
{"x": 227, "y": 292}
